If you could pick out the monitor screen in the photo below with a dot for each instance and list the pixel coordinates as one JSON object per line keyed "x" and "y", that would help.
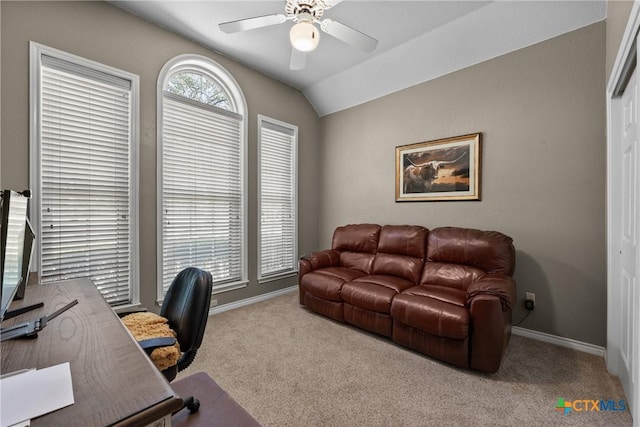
{"x": 27, "y": 254}
{"x": 14, "y": 222}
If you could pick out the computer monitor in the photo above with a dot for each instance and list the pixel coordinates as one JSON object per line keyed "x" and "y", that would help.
{"x": 27, "y": 255}
{"x": 12, "y": 238}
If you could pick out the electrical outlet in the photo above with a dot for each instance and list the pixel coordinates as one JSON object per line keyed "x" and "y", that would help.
{"x": 214, "y": 302}
{"x": 529, "y": 300}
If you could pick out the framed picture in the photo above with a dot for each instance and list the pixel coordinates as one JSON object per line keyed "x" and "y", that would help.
{"x": 446, "y": 169}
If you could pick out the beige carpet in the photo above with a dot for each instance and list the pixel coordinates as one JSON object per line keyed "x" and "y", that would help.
{"x": 290, "y": 367}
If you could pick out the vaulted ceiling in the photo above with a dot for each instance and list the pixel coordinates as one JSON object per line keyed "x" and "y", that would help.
{"x": 417, "y": 40}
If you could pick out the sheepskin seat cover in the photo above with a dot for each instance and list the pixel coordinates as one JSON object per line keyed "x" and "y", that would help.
{"x": 149, "y": 325}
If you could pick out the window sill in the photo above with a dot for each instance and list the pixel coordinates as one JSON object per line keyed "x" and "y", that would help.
{"x": 218, "y": 289}
{"x": 267, "y": 279}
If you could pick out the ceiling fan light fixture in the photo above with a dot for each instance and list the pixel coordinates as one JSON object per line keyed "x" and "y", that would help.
{"x": 304, "y": 36}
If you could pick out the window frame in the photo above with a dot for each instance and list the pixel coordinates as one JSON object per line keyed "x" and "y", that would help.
{"x": 264, "y": 278}
{"x": 36, "y": 52}
{"x": 219, "y": 75}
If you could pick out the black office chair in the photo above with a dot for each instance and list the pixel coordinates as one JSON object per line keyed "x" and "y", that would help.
{"x": 186, "y": 307}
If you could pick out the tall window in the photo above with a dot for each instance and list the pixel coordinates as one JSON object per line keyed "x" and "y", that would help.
{"x": 277, "y": 143}
{"x": 83, "y": 150}
{"x": 201, "y": 179}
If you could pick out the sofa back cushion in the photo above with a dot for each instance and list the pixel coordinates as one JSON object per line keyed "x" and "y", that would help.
{"x": 357, "y": 244}
{"x": 457, "y": 257}
{"x": 401, "y": 251}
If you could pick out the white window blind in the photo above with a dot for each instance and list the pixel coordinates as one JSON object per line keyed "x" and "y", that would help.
{"x": 86, "y": 195}
{"x": 202, "y": 191}
{"x": 278, "y": 222}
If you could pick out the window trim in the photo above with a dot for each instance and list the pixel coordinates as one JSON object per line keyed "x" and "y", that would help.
{"x": 222, "y": 77}
{"x": 36, "y": 51}
{"x": 294, "y": 271}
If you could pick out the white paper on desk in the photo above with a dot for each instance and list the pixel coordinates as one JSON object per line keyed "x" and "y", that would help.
{"x": 34, "y": 393}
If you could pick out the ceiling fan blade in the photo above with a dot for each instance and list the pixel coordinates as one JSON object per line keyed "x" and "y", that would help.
{"x": 298, "y": 59}
{"x": 252, "y": 23}
{"x": 330, "y": 3}
{"x": 348, "y": 35}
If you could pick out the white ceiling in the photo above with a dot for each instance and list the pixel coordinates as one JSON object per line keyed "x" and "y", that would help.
{"x": 418, "y": 40}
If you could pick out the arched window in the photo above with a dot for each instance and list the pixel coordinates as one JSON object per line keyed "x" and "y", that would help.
{"x": 198, "y": 87}
{"x": 201, "y": 173}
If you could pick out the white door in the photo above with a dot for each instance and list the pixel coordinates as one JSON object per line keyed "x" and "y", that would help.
{"x": 628, "y": 266}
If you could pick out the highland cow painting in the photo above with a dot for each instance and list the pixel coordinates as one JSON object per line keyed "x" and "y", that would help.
{"x": 445, "y": 169}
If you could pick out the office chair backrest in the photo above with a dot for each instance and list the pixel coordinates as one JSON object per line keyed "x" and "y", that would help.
{"x": 186, "y": 306}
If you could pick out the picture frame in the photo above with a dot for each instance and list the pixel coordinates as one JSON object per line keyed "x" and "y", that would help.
{"x": 443, "y": 169}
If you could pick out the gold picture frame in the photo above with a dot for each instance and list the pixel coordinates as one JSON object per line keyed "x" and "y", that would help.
{"x": 444, "y": 169}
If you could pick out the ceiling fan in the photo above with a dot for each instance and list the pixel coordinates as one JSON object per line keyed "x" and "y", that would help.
{"x": 304, "y": 35}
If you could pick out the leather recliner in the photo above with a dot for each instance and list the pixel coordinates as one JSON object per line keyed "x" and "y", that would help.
{"x": 446, "y": 293}
{"x": 396, "y": 267}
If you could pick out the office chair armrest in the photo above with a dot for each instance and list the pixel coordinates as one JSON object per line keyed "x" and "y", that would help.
{"x": 151, "y": 344}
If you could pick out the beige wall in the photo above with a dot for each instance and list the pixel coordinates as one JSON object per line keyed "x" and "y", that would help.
{"x": 541, "y": 111}
{"x": 618, "y": 12}
{"x": 104, "y": 33}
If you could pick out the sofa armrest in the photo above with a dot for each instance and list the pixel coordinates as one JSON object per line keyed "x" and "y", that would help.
{"x": 314, "y": 261}
{"x": 321, "y": 259}
{"x": 490, "y": 333}
{"x": 499, "y": 285}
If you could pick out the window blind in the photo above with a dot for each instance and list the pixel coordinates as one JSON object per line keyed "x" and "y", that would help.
{"x": 85, "y": 177}
{"x": 277, "y": 171}
{"x": 202, "y": 185}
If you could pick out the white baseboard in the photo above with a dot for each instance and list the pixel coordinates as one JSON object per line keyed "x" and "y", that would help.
{"x": 561, "y": 341}
{"x": 516, "y": 330}
{"x": 247, "y": 301}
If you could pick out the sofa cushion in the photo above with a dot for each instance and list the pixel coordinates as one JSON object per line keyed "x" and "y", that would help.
{"x": 409, "y": 240}
{"x": 489, "y": 251}
{"x": 327, "y": 283}
{"x": 457, "y": 276}
{"x": 357, "y": 244}
{"x": 357, "y": 261}
{"x": 374, "y": 293}
{"x": 432, "y": 315}
{"x": 346, "y": 274}
{"x": 401, "y": 251}
{"x": 356, "y": 238}
{"x": 368, "y": 296}
{"x": 441, "y": 293}
{"x": 398, "y": 265}
{"x": 397, "y": 284}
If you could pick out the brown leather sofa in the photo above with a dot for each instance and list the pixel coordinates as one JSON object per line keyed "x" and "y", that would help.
{"x": 447, "y": 292}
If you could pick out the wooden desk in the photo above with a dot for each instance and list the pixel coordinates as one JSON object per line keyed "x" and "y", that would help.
{"x": 217, "y": 408}
{"x": 114, "y": 382}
